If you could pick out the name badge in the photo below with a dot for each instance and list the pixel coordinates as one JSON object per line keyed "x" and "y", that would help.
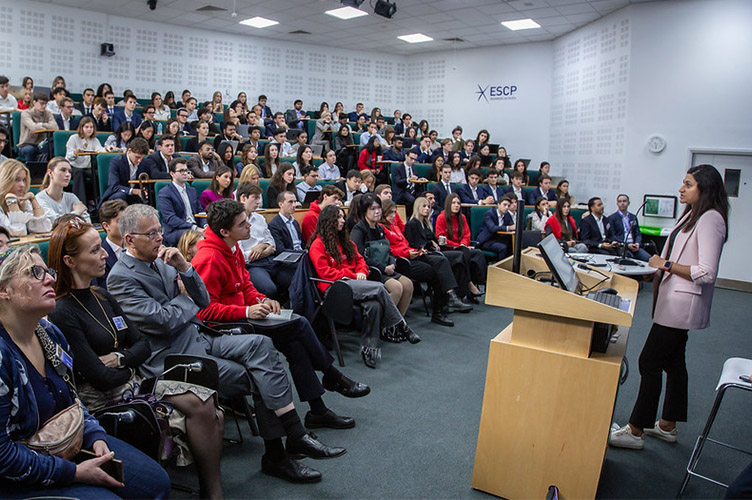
{"x": 119, "y": 323}
{"x": 64, "y": 357}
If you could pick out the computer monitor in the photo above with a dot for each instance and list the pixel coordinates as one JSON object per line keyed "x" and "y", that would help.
{"x": 557, "y": 261}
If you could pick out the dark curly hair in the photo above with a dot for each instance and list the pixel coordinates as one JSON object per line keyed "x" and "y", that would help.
{"x": 331, "y": 237}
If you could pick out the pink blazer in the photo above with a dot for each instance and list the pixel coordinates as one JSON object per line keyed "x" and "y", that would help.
{"x": 686, "y": 304}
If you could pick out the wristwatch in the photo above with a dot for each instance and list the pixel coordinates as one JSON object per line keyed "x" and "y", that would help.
{"x": 667, "y": 266}
{"x": 120, "y": 359}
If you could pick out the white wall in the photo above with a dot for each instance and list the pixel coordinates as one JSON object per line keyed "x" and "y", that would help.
{"x": 519, "y": 122}
{"x": 691, "y": 81}
{"x": 42, "y": 40}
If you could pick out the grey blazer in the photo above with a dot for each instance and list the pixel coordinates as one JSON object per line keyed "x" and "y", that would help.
{"x": 153, "y": 301}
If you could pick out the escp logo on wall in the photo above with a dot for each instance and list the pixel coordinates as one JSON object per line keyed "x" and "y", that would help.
{"x": 497, "y": 93}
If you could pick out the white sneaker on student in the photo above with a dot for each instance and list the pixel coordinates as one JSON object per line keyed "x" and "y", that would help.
{"x": 668, "y": 436}
{"x": 623, "y": 438}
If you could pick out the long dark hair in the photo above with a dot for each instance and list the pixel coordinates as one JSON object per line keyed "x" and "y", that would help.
{"x": 148, "y": 125}
{"x": 214, "y": 185}
{"x": 450, "y": 160}
{"x": 525, "y": 178}
{"x": 125, "y": 126}
{"x": 221, "y": 150}
{"x": 278, "y": 181}
{"x": 374, "y": 145}
{"x": 364, "y": 203}
{"x": 564, "y": 221}
{"x": 268, "y": 159}
{"x": 299, "y": 160}
{"x": 332, "y": 239}
{"x": 713, "y": 196}
{"x": 448, "y": 215}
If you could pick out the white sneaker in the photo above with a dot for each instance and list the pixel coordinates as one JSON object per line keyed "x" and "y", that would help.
{"x": 668, "y": 436}
{"x": 623, "y": 438}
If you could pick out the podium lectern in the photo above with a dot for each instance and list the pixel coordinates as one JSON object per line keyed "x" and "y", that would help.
{"x": 548, "y": 400}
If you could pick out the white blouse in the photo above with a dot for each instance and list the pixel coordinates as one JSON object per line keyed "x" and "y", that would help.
{"x": 22, "y": 222}
{"x": 76, "y": 142}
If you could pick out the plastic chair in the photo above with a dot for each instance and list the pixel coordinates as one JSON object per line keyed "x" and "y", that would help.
{"x": 733, "y": 368}
{"x": 337, "y": 306}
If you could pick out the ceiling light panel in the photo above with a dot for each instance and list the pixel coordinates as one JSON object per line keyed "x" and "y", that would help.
{"x": 259, "y": 22}
{"x": 415, "y": 38}
{"x": 520, "y": 24}
{"x": 346, "y": 13}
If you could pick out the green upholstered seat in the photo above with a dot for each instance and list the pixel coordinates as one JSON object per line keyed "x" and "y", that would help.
{"x": 421, "y": 169}
{"x": 60, "y": 139}
{"x": 103, "y": 171}
{"x": 476, "y": 219}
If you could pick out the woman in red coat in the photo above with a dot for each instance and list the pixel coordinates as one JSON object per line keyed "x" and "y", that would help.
{"x": 369, "y": 157}
{"x": 335, "y": 257}
{"x": 562, "y": 226}
{"x": 451, "y": 224}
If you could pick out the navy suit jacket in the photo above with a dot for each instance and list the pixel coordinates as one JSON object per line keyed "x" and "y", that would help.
{"x": 466, "y": 194}
{"x": 154, "y": 165}
{"x": 353, "y": 117}
{"x": 171, "y": 206}
{"x": 617, "y": 227}
{"x": 399, "y": 184}
{"x": 533, "y": 195}
{"x": 392, "y": 155}
{"x": 282, "y": 238}
{"x": 119, "y": 117}
{"x": 108, "y": 263}
{"x": 73, "y": 122}
{"x": 422, "y": 157}
{"x": 440, "y": 193}
{"x": 487, "y": 191}
{"x": 119, "y": 175}
{"x": 491, "y": 225}
{"x": 589, "y": 233}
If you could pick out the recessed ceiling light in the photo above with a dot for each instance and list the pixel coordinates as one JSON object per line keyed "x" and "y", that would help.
{"x": 520, "y": 24}
{"x": 346, "y": 13}
{"x": 415, "y": 38}
{"x": 259, "y": 22}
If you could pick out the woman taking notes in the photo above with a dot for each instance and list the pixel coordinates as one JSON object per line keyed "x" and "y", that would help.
{"x": 683, "y": 293}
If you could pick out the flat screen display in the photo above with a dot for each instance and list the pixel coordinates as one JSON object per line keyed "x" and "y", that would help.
{"x": 560, "y": 266}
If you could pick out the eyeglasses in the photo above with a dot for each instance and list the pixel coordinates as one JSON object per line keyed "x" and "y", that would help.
{"x": 39, "y": 272}
{"x": 152, "y": 235}
{"x": 181, "y": 171}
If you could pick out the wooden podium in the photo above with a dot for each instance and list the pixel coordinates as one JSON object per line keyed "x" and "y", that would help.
{"x": 548, "y": 401}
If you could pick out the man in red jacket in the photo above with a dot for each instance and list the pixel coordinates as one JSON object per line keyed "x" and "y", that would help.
{"x": 220, "y": 263}
{"x": 330, "y": 195}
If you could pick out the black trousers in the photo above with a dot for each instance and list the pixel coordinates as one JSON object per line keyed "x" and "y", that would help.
{"x": 433, "y": 268}
{"x": 304, "y": 352}
{"x": 664, "y": 351}
{"x": 742, "y": 485}
{"x": 461, "y": 273}
{"x": 475, "y": 264}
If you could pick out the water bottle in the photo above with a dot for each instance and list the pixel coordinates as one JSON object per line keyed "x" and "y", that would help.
{"x": 159, "y": 128}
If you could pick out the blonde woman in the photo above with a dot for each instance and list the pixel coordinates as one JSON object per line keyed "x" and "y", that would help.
{"x": 250, "y": 174}
{"x": 21, "y": 212}
{"x": 53, "y": 199}
{"x": 187, "y": 243}
{"x": 216, "y": 102}
{"x": 84, "y": 140}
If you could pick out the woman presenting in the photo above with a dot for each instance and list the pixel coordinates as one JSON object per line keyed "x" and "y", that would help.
{"x": 683, "y": 293}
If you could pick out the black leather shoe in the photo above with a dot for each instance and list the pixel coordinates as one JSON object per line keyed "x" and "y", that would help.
{"x": 408, "y": 333}
{"x": 473, "y": 299}
{"x": 347, "y": 387}
{"x": 328, "y": 419}
{"x": 290, "y": 470}
{"x": 369, "y": 359}
{"x": 308, "y": 446}
{"x": 441, "y": 319}
{"x": 456, "y": 305}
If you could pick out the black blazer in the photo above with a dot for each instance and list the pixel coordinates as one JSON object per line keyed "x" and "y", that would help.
{"x": 73, "y": 122}
{"x": 440, "y": 193}
{"x": 282, "y": 238}
{"x": 589, "y": 233}
{"x": 418, "y": 235}
{"x": 155, "y": 166}
{"x": 108, "y": 263}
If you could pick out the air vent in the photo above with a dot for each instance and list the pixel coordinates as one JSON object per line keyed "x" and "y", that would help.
{"x": 300, "y": 32}
{"x": 455, "y": 39}
{"x": 210, "y": 8}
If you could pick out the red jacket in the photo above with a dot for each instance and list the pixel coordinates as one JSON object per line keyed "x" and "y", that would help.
{"x": 397, "y": 241}
{"x": 441, "y": 230}
{"x": 326, "y": 267}
{"x": 363, "y": 158}
{"x": 556, "y": 227}
{"x": 310, "y": 220}
{"x": 226, "y": 279}
{"x": 398, "y": 222}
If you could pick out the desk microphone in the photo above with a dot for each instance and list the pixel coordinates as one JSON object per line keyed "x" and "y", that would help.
{"x": 127, "y": 416}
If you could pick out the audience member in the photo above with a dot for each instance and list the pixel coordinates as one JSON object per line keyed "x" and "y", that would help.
{"x": 21, "y": 212}
{"x": 485, "y": 156}
{"x": 483, "y": 137}
{"x": 4, "y": 239}
{"x": 403, "y": 185}
{"x": 562, "y": 191}
{"x": 434, "y": 173}
{"x": 359, "y": 111}
{"x": 119, "y": 141}
{"x": 127, "y": 114}
{"x": 188, "y": 242}
{"x": 216, "y": 102}
{"x": 443, "y": 151}
{"x": 454, "y": 234}
{"x": 232, "y": 297}
{"x": 423, "y": 150}
{"x": 36, "y": 118}
{"x": 8, "y": 102}
{"x": 384, "y": 192}
{"x": 229, "y": 134}
{"x": 492, "y": 188}
{"x": 85, "y": 140}
{"x": 56, "y": 99}
{"x": 395, "y": 153}
{"x": 221, "y": 186}
{"x": 368, "y": 235}
{"x": 515, "y": 187}
{"x": 458, "y": 143}
{"x": 285, "y": 230}
{"x": 272, "y": 161}
{"x": 301, "y": 141}
{"x": 179, "y": 204}
{"x": 66, "y": 120}
{"x": 124, "y": 168}
{"x": 543, "y": 189}
{"x": 345, "y": 150}
{"x": 334, "y": 257}
{"x": 324, "y": 131}
{"x": 205, "y": 163}
{"x": 145, "y": 283}
{"x": 369, "y": 159}
{"x": 368, "y": 181}
{"x": 35, "y": 389}
{"x": 109, "y": 214}
{"x": 101, "y": 118}
{"x": 623, "y": 223}
{"x": 330, "y": 195}
{"x": 248, "y": 156}
{"x": 350, "y": 186}
{"x": 471, "y": 193}
{"x": 494, "y": 221}
{"x": 328, "y": 170}
{"x": 147, "y": 131}
{"x": 4, "y": 136}
{"x": 161, "y": 108}
{"x": 266, "y": 111}
{"x": 158, "y": 163}
{"x": 521, "y": 167}
{"x": 184, "y": 128}
{"x": 308, "y": 185}
{"x": 303, "y": 160}
{"x": 280, "y": 138}
{"x": 52, "y": 199}
{"x": 595, "y": 230}
{"x": 371, "y": 131}
{"x": 468, "y": 152}
{"x": 562, "y": 226}
{"x": 109, "y": 98}
{"x": 294, "y": 117}
{"x": 226, "y": 156}
{"x": 282, "y": 181}
{"x": 458, "y": 175}
{"x": 537, "y": 219}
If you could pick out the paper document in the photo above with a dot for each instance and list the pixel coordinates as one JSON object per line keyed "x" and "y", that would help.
{"x": 283, "y": 314}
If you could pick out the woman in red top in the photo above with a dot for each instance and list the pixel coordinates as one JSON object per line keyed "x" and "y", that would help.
{"x": 427, "y": 267}
{"x": 451, "y": 224}
{"x": 369, "y": 157}
{"x": 335, "y": 257}
{"x": 562, "y": 226}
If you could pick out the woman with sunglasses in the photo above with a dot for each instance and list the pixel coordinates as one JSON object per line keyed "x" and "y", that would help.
{"x": 35, "y": 373}
{"x": 109, "y": 349}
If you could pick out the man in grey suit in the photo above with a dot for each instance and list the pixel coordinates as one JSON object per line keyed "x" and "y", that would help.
{"x": 146, "y": 282}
